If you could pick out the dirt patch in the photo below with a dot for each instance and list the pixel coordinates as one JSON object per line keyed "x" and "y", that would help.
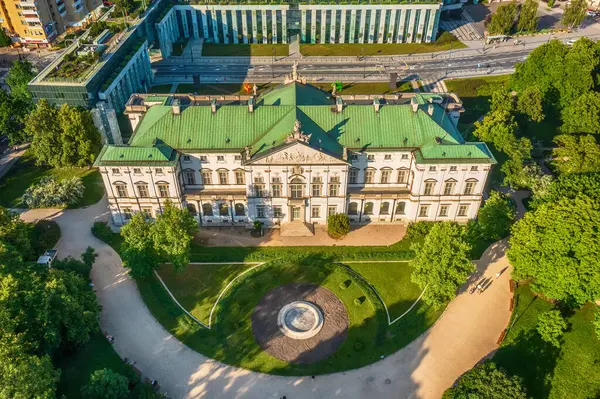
{"x": 311, "y": 350}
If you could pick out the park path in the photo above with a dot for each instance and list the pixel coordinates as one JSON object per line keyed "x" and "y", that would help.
{"x": 466, "y": 333}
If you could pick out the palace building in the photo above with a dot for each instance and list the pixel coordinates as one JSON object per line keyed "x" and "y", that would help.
{"x": 296, "y": 154}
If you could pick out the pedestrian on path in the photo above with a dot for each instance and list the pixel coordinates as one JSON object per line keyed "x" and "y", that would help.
{"x": 498, "y": 275}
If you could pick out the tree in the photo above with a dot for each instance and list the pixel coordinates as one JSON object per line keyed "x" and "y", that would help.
{"x": 576, "y": 154}
{"x": 497, "y": 216}
{"x": 569, "y": 186}
{"x": 582, "y": 115}
{"x": 106, "y": 384}
{"x": 528, "y": 16}
{"x": 486, "y": 381}
{"x": 556, "y": 245}
{"x": 138, "y": 247}
{"x": 5, "y": 40}
{"x": 551, "y": 326}
{"x": 530, "y": 103}
{"x": 14, "y": 232}
{"x": 12, "y": 117}
{"x": 19, "y": 75}
{"x": 574, "y": 13}
{"x": 498, "y": 128}
{"x": 338, "y": 225}
{"x": 172, "y": 234}
{"x": 62, "y": 137}
{"x": 441, "y": 263}
{"x": 124, "y": 6}
{"x": 503, "y": 19}
{"x": 533, "y": 178}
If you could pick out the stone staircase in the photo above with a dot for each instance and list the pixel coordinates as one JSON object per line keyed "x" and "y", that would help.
{"x": 463, "y": 28}
{"x": 296, "y": 229}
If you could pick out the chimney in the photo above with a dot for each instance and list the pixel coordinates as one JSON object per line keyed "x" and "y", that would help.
{"x": 339, "y": 104}
{"x": 376, "y": 104}
{"x": 251, "y": 104}
{"x": 430, "y": 109}
{"x": 414, "y": 104}
{"x": 176, "y": 107}
{"x": 213, "y": 105}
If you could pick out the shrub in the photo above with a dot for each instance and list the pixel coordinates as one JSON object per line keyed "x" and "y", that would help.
{"x": 44, "y": 235}
{"x": 338, "y": 225}
{"x": 551, "y": 326}
{"x": 360, "y": 300}
{"x": 106, "y": 384}
{"x": 51, "y": 193}
{"x": 486, "y": 380}
{"x": 102, "y": 231}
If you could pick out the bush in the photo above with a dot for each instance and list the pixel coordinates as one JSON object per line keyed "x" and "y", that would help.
{"x": 81, "y": 267}
{"x": 486, "y": 380}
{"x": 102, "y": 231}
{"x": 551, "y": 326}
{"x": 338, "y": 225}
{"x": 51, "y": 193}
{"x": 419, "y": 230}
{"x": 44, "y": 235}
{"x": 106, "y": 384}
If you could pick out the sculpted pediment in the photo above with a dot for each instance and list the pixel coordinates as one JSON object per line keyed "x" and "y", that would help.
{"x": 297, "y": 154}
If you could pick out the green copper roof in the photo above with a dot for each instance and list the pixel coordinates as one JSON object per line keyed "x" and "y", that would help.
{"x": 159, "y": 153}
{"x": 357, "y": 127}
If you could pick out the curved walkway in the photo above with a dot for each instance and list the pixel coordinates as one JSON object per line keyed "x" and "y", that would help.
{"x": 467, "y": 332}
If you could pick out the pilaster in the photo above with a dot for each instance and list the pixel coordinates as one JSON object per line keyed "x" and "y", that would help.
{"x": 245, "y": 26}
{"x": 303, "y": 26}
{"x": 254, "y": 26}
{"x": 323, "y": 25}
{"x": 264, "y": 24}
{"x": 215, "y": 24}
{"x": 352, "y": 26}
{"x": 390, "y": 39}
{"x": 372, "y": 25}
{"x": 313, "y": 25}
{"x": 195, "y": 23}
{"x": 402, "y": 21}
{"x": 411, "y": 26}
{"x": 361, "y": 27}
{"x": 234, "y": 27}
{"x": 332, "y": 38}
{"x": 204, "y": 24}
{"x": 225, "y": 26}
{"x": 343, "y": 25}
{"x": 284, "y": 37}
{"x": 381, "y": 35}
{"x": 273, "y": 26}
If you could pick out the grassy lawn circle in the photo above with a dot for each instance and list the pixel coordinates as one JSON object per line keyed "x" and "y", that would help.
{"x": 231, "y": 341}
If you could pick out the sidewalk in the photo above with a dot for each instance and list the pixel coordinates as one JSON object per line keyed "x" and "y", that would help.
{"x": 10, "y": 157}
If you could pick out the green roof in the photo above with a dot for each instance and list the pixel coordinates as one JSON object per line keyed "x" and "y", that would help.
{"x": 158, "y": 153}
{"x": 357, "y": 127}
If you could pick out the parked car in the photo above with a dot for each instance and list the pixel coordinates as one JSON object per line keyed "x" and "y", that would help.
{"x": 47, "y": 257}
{"x": 571, "y": 42}
{"x": 591, "y": 13}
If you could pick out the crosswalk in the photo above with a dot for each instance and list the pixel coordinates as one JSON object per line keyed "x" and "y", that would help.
{"x": 462, "y": 28}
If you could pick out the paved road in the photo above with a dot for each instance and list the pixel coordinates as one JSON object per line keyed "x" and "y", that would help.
{"x": 466, "y": 333}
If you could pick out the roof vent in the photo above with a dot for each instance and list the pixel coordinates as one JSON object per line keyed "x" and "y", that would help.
{"x": 227, "y": 140}
{"x": 415, "y": 104}
{"x": 438, "y": 140}
{"x": 430, "y": 109}
{"x": 149, "y": 155}
{"x": 251, "y": 104}
{"x": 189, "y": 140}
{"x": 339, "y": 105}
{"x": 357, "y": 140}
{"x": 376, "y": 104}
{"x": 176, "y": 107}
{"x": 444, "y": 153}
{"x": 213, "y": 105}
{"x": 405, "y": 141}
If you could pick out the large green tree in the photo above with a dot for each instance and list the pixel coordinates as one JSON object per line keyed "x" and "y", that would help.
{"x": 570, "y": 186}
{"x": 556, "y": 246}
{"x": 106, "y": 384}
{"x": 528, "y": 16}
{"x": 576, "y": 154}
{"x": 4, "y": 38}
{"x": 486, "y": 381}
{"x": 14, "y": 231}
{"x": 12, "y": 117}
{"x": 574, "y": 13}
{"x": 138, "y": 250}
{"x": 442, "y": 263}
{"x": 531, "y": 103}
{"x": 497, "y": 216}
{"x": 582, "y": 115}
{"x": 19, "y": 75}
{"x": 503, "y": 19}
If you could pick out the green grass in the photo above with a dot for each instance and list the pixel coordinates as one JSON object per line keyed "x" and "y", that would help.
{"x": 161, "y": 89}
{"x": 244, "y": 50}
{"x": 568, "y": 372}
{"x": 24, "y": 173}
{"x": 392, "y": 282}
{"x": 198, "y": 287}
{"x": 222, "y": 88}
{"x": 368, "y": 88}
{"x": 374, "y": 49}
{"x": 77, "y": 367}
{"x": 231, "y": 340}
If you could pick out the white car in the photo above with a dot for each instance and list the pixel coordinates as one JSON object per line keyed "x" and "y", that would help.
{"x": 591, "y": 13}
{"x": 571, "y": 42}
{"x": 47, "y": 257}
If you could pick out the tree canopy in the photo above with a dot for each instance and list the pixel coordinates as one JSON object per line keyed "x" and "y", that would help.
{"x": 528, "y": 16}
{"x": 530, "y": 103}
{"x": 574, "y": 13}
{"x": 14, "y": 231}
{"x": 503, "y": 19}
{"x": 497, "y": 216}
{"x": 138, "y": 246}
{"x": 106, "y": 384}
{"x": 576, "y": 154}
{"x": 15, "y": 106}
{"x": 19, "y": 75}
{"x": 582, "y": 115}
{"x": 486, "y": 381}
{"x": 4, "y": 38}
{"x": 442, "y": 263}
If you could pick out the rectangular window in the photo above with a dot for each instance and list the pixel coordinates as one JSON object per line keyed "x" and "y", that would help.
{"x": 316, "y": 211}
{"x": 400, "y": 208}
{"x": 163, "y": 190}
{"x": 402, "y": 176}
{"x": 190, "y": 177}
{"x": 474, "y": 168}
{"x": 331, "y": 210}
{"x": 444, "y": 210}
{"x": 206, "y": 177}
{"x": 121, "y": 191}
{"x": 385, "y": 176}
{"x": 404, "y": 156}
{"x": 423, "y": 211}
{"x": 203, "y": 158}
{"x": 296, "y": 190}
{"x": 432, "y": 168}
{"x": 137, "y": 171}
{"x": 469, "y": 187}
{"x": 115, "y": 171}
{"x": 277, "y": 212}
{"x": 369, "y": 176}
{"x": 237, "y": 158}
{"x": 222, "y": 177}
{"x": 334, "y": 190}
{"x": 276, "y": 188}
{"x": 127, "y": 212}
{"x": 354, "y": 157}
{"x": 223, "y": 209}
{"x": 276, "y": 180}
{"x": 316, "y": 190}
{"x": 453, "y": 168}
{"x": 186, "y": 158}
{"x": 448, "y": 188}
{"x": 260, "y": 211}
{"x": 334, "y": 179}
{"x": 220, "y": 158}
{"x": 240, "y": 177}
{"x": 462, "y": 210}
{"x": 158, "y": 171}
{"x": 387, "y": 157}
{"x": 259, "y": 190}
{"x": 370, "y": 158}
{"x": 353, "y": 177}
{"x": 147, "y": 213}
{"x": 429, "y": 188}
{"x": 143, "y": 190}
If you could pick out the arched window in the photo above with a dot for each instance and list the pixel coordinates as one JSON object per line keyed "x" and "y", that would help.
{"x": 470, "y": 186}
{"x": 386, "y": 175}
{"x": 121, "y": 189}
{"x": 192, "y": 209}
{"x": 368, "y": 208}
{"x": 240, "y": 210}
{"x": 296, "y": 188}
{"x": 402, "y": 176}
{"x": 400, "y": 207}
{"x": 353, "y": 208}
{"x": 207, "y": 209}
{"x": 429, "y": 187}
{"x": 449, "y": 186}
{"x": 369, "y": 175}
{"x": 240, "y": 177}
{"x": 384, "y": 208}
{"x": 223, "y": 209}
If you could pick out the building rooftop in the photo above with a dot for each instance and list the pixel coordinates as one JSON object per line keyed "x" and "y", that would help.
{"x": 377, "y": 125}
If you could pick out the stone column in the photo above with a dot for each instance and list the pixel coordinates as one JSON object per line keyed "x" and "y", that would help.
{"x": 274, "y": 26}
{"x": 313, "y": 25}
{"x": 411, "y": 26}
{"x": 195, "y": 23}
{"x": 401, "y": 25}
{"x": 204, "y": 24}
{"x": 224, "y": 26}
{"x": 332, "y": 35}
{"x": 245, "y": 26}
{"x": 254, "y": 26}
{"x": 265, "y": 31}
{"x": 234, "y": 27}
{"x": 343, "y": 26}
{"x": 392, "y": 26}
{"x": 421, "y": 26}
{"x": 381, "y": 35}
{"x": 372, "y": 25}
{"x": 215, "y": 24}
{"x": 323, "y": 25}
{"x": 352, "y": 26}
{"x": 184, "y": 24}
{"x": 361, "y": 27}
{"x": 284, "y": 38}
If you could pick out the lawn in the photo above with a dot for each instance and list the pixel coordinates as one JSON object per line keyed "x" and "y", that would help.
{"x": 24, "y": 173}
{"x": 374, "y": 49}
{"x": 231, "y": 340}
{"x": 368, "y": 88}
{"x": 245, "y": 50}
{"x": 222, "y": 88}
{"x": 198, "y": 287}
{"x": 568, "y": 372}
{"x": 392, "y": 282}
